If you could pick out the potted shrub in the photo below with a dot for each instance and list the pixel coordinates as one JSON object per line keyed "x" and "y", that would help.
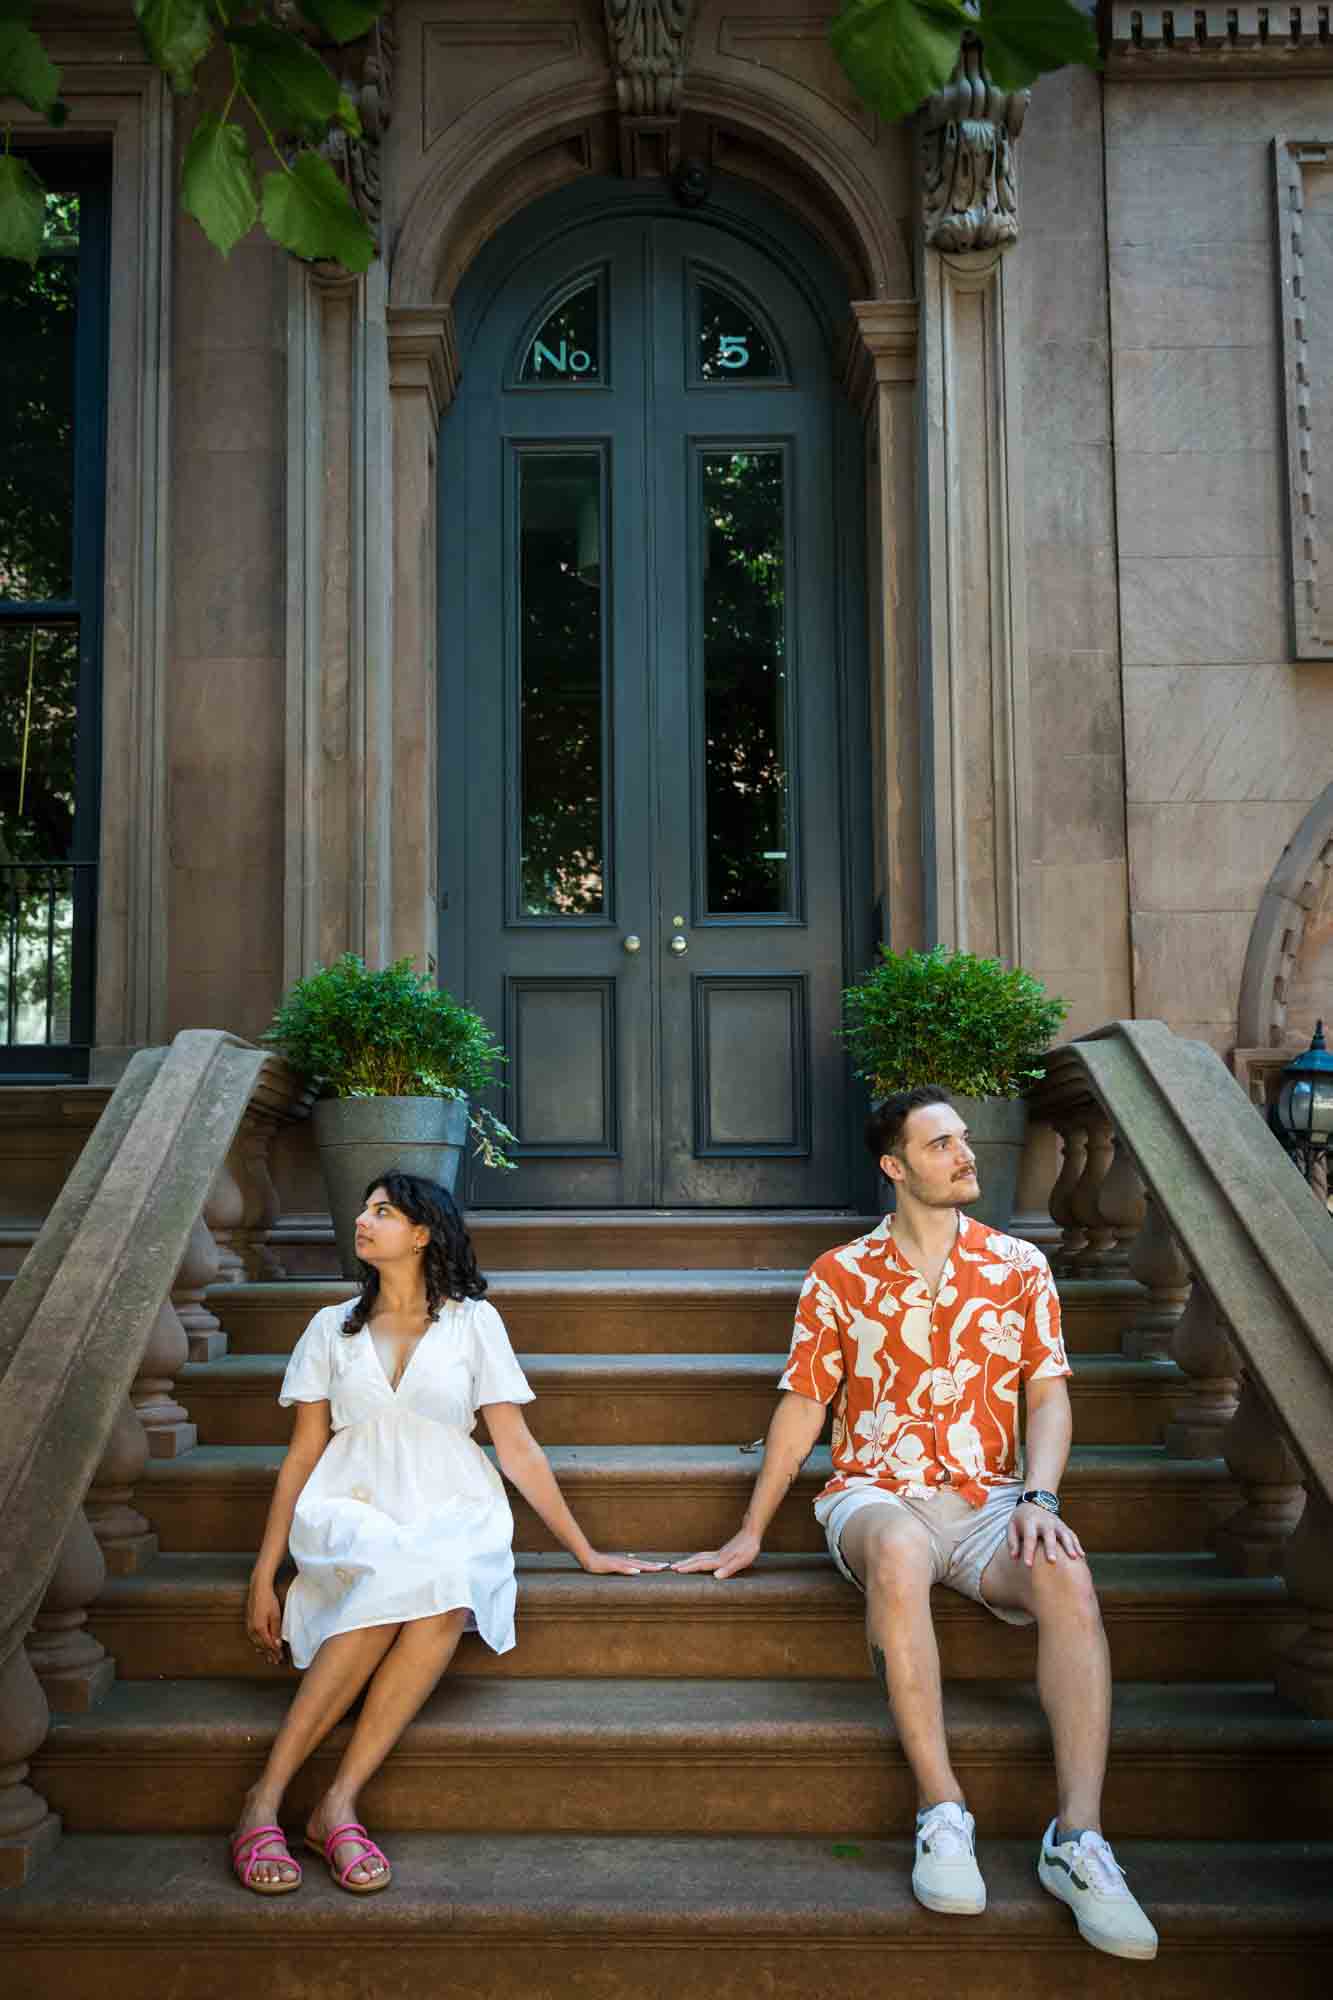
{"x": 964, "y": 1023}
{"x": 397, "y": 1061}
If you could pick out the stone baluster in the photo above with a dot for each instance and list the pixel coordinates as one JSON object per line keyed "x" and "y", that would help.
{"x": 199, "y": 1269}
{"x": 1098, "y": 1235}
{"x": 1253, "y": 1541}
{"x": 126, "y": 1539}
{"x": 224, "y": 1212}
{"x": 74, "y": 1669}
{"x": 1155, "y": 1260}
{"x": 166, "y": 1422}
{"x": 1304, "y": 1673}
{"x": 1074, "y": 1146}
{"x": 263, "y": 1208}
{"x": 1201, "y": 1347}
{"x": 28, "y": 1827}
{"x": 1122, "y": 1204}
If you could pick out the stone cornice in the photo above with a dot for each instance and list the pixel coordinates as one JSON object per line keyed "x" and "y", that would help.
{"x": 1212, "y": 42}
{"x": 423, "y": 354}
{"x": 880, "y": 348}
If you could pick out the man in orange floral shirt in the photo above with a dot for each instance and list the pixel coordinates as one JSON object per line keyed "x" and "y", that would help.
{"x": 920, "y": 1335}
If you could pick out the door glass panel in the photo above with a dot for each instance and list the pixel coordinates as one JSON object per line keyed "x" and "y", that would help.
{"x": 747, "y": 835}
{"x": 39, "y": 677}
{"x": 733, "y": 346}
{"x": 561, "y": 702}
{"x": 37, "y": 311}
{"x": 567, "y": 349}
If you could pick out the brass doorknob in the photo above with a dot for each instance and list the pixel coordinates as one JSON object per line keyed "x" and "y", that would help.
{"x": 679, "y": 946}
{"x": 631, "y": 944}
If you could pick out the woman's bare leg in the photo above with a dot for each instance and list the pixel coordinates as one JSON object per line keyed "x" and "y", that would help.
{"x": 331, "y": 1683}
{"x": 400, "y": 1684}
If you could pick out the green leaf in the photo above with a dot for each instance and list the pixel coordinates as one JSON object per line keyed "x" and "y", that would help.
{"x": 1024, "y": 37}
{"x": 27, "y": 71}
{"x": 218, "y": 183}
{"x": 310, "y": 212}
{"x": 294, "y": 91}
{"x": 22, "y": 210}
{"x": 348, "y": 115}
{"x": 177, "y": 35}
{"x": 343, "y": 20}
{"x": 16, "y": 10}
{"x": 897, "y": 52}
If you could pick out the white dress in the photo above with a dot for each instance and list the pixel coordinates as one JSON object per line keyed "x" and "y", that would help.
{"x": 404, "y": 1515}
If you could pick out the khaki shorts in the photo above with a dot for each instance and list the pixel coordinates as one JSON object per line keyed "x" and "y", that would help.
{"x": 963, "y": 1538}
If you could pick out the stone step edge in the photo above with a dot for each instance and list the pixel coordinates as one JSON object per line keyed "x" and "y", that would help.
{"x": 701, "y": 1283}
{"x": 669, "y": 1370}
{"x": 119, "y": 1890}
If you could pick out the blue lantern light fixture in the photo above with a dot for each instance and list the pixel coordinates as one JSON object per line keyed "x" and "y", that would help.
{"x": 1302, "y": 1117}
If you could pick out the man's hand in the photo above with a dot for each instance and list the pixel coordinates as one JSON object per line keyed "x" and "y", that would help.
{"x": 1032, "y": 1527}
{"x": 736, "y": 1555}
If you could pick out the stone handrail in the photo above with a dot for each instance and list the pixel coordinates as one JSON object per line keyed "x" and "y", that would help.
{"x": 78, "y": 1315}
{"x": 1170, "y": 1170}
{"x": 1242, "y": 1216}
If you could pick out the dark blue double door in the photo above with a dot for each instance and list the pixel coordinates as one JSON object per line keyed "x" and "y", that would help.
{"x": 652, "y": 740}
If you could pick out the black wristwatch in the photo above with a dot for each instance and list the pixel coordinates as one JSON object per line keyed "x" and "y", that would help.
{"x": 1041, "y": 1498}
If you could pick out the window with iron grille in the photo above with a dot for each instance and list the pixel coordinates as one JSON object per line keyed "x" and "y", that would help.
{"x": 53, "y": 391}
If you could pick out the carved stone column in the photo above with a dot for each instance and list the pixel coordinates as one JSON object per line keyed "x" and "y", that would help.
{"x": 75, "y": 1670}
{"x": 127, "y": 1541}
{"x": 1073, "y": 1156}
{"x": 199, "y": 1269}
{"x": 648, "y": 42}
{"x": 1085, "y": 1202}
{"x": 166, "y": 1422}
{"x": 1155, "y": 1260}
{"x": 1305, "y": 1673}
{"x": 1253, "y": 1541}
{"x": 880, "y": 377}
{"x": 28, "y": 1827}
{"x": 1201, "y": 1347}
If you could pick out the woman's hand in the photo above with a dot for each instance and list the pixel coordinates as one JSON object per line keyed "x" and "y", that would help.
{"x": 263, "y": 1620}
{"x": 597, "y": 1564}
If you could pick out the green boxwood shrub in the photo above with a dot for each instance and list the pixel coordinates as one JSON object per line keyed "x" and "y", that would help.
{"x": 950, "y": 1018}
{"x": 391, "y": 1033}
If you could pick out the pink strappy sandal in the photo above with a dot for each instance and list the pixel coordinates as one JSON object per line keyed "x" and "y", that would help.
{"x": 248, "y": 1849}
{"x": 353, "y": 1831}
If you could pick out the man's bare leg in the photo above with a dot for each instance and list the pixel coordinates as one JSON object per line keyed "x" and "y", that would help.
{"x": 889, "y": 1549}
{"x": 1073, "y": 1671}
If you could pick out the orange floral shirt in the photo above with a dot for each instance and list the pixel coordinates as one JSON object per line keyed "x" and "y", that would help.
{"x": 926, "y": 1394}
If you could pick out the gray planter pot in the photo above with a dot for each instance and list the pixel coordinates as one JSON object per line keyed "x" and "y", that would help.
{"x": 360, "y": 1137}
{"x": 997, "y": 1129}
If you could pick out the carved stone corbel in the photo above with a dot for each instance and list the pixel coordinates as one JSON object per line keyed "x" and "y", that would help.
{"x": 648, "y": 42}
{"x": 969, "y": 177}
{"x": 365, "y": 71}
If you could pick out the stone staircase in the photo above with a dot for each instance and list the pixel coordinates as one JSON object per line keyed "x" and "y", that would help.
{"x": 674, "y": 1786}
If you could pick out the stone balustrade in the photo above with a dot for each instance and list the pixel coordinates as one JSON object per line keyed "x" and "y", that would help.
{"x": 1167, "y": 1171}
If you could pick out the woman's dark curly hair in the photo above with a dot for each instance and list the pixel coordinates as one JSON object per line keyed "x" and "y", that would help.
{"x": 450, "y": 1264}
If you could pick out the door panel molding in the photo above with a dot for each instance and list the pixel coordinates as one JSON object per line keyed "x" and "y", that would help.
{"x": 729, "y": 1116}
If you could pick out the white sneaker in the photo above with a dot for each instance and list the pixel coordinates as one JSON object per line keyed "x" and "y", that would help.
{"x": 1085, "y": 1874}
{"x": 946, "y": 1876}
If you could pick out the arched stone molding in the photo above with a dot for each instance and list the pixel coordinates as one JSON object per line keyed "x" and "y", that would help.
{"x": 1297, "y": 891}
{"x": 501, "y": 156}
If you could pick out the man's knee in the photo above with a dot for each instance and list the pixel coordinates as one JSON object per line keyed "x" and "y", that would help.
{"x": 896, "y": 1558}
{"x": 1065, "y": 1590}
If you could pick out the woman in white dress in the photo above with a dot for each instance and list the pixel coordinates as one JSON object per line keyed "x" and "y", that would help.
{"x": 396, "y": 1520}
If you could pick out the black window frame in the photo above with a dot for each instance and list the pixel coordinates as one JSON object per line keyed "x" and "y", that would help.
{"x": 65, "y": 170}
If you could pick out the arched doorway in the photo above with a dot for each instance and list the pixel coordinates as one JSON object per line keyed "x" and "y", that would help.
{"x": 654, "y": 825}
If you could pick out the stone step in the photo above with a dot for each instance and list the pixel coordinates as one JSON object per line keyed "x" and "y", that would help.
{"x": 111, "y": 1917}
{"x": 1168, "y": 1617}
{"x": 660, "y": 1919}
{"x": 1127, "y": 1498}
{"x": 819, "y": 1758}
{"x": 664, "y": 1398}
{"x": 639, "y": 1311}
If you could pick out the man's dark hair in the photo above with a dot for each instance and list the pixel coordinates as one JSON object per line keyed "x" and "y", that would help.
{"x": 884, "y": 1126}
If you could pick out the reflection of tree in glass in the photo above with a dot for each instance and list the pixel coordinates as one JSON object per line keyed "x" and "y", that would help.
{"x": 572, "y": 329}
{"x": 37, "y": 310}
{"x": 726, "y": 328}
{"x": 561, "y": 718}
{"x": 745, "y": 682}
{"x": 35, "y": 900}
